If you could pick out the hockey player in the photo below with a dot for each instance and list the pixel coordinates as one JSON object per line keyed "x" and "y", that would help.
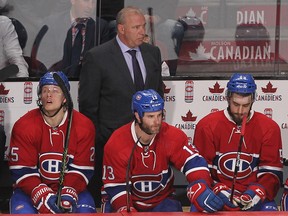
{"x": 137, "y": 175}
{"x": 35, "y": 155}
{"x": 217, "y": 138}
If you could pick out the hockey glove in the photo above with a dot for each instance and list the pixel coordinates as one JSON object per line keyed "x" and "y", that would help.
{"x": 224, "y": 193}
{"x": 44, "y": 199}
{"x": 252, "y": 198}
{"x": 203, "y": 197}
{"x": 124, "y": 209}
{"x": 69, "y": 199}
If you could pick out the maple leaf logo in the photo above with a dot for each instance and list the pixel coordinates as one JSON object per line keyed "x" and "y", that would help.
{"x": 191, "y": 13}
{"x": 269, "y": 88}
{"x": 216, "y": 88}
{"x": 166, "y": 90}
{"x": 2, "y": 90}
{"x": 189, "y": 117}
{"x": 201, "y": 54}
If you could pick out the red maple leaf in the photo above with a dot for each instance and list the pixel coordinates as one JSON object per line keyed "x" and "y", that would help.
{"x": 269, "y": 88}
{"x": 189, "y": 117}
{"x": 2, "y": 90}
{"x": 216, "y": 88}
{"x": 166, "y": 90}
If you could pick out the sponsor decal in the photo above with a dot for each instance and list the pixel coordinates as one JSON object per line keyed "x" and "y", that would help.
{"x": 168, "y": 98}
{"x": 188, "y": 122}
{"x": 269, "y": 93}
{"x": 189, "y": 91}
{"x": 216, "y": 92}
{"x": 3, "y": 92}
{"x": 28, "y": 89}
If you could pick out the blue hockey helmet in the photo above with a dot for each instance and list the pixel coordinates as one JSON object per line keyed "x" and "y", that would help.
{"x": 147, "y": 101}
{"x": 48, "y": 79}
{"x": 242, "y": 84}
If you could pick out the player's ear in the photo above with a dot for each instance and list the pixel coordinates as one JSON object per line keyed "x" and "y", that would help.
{"x": 137, "y": 117}
{"x": 120, "y": 28}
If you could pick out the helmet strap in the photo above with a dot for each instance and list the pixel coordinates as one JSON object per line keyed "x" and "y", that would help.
{"x": 50, "y": 116}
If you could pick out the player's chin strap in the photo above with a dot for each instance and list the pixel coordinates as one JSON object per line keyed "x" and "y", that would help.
{"x": 50, "y": 116}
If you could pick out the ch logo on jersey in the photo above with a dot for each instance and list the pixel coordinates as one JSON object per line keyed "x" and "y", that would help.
{"x": 50, "y": 165}
{"x": 227, "y": 161}
{"x": 147, "y": 186}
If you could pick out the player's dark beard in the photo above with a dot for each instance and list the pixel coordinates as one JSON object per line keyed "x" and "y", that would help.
{"x": 146, "y": 130}
{"x": 143, "y": 128}
{"x": 238, "y": 121}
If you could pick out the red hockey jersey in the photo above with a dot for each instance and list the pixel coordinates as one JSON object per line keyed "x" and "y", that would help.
{"x": 150, "y": 173}
{"x": 36, "y": 149}
{"x": 217, "y": 138}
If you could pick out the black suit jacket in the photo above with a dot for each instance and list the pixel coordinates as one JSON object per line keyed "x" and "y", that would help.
{"x": 72, "y": 69}
{"x": 106, "y": 86}
{"x": 51, "y": 49}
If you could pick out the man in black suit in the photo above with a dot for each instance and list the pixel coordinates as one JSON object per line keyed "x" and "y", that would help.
{"x": 107, "y": 81}
{"x": 52, "y": 46}
{"x": 163, "y": 28}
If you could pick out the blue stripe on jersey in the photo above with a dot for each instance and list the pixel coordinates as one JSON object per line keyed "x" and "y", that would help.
{"x": 194, "y": 163}
{"x": 84, "y": 170}
{"x": 20, "y": 172}
{"x": 114, "y": 190}
{"x": 277, "y": 172}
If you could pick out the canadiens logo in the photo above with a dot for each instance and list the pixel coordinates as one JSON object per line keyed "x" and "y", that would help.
{"x": 189, "y": 91}
{"x": 227, "y": 161}
{"x": 147, "y": 186}
{"x": 269, "y": 88}
{"x": 4, "y": 92}
{"x": 188, "y": 119}
{"x": 166, "y": 90}
{"x": 50, "y": 165}
{"x": 216, "y": 92}
{"x": 216, "y": 89}
{"x": 269, "y": 95}
{"x": 268, "y": 112}
{"x": 168, "y": 98}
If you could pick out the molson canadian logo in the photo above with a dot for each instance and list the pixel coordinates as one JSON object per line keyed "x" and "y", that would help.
{"x": 268, "y": 93}
{"x": 3, "y": 93}
{"x": 216, "y": 93}
{"x": 188, "y": 120}
{"x": 251, "y": 43}
{"x": 227, "y": 51}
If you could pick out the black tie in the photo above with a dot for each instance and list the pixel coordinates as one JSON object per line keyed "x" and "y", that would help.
{"x": 138, "y": 79}
{"x": 77, "y": 46}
